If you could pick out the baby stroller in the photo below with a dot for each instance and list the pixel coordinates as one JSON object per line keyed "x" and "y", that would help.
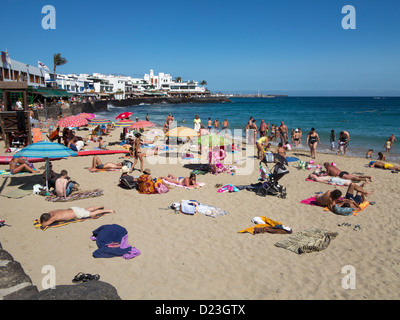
{"x": 269, "y": 179}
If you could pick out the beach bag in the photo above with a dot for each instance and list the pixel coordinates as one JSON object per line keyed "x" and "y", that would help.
{"x": 162, "y": 188}
{"x": 188, "y": 207}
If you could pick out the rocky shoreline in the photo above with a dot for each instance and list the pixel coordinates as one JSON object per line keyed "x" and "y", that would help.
{"x": 15, "y": 284}
{"x": 101, "y": 105}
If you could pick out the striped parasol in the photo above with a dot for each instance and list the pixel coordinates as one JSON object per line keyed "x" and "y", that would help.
{"x": 123, "y": 123}
{"x": 99, "y": 121}
{"x": 46, "y": 150}
{"x": 72, "y": 121}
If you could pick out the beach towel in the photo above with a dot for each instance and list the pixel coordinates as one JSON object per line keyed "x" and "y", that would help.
{"x": 200, "y": 184}
{"x": 228, "y": 188}
{"x": 112, "y": 241}
{"x": 38, "y": 225}
{"x": 292, "y": 159}
{"x": 36, "y": 135}
{"x": 310, "y": 240}
{"x": 192, "y": 207}
{"x": 76, "y": 195}
{"x": 17, "y": 194}
{"x": 310, "y": 201}
{"x": 101, "y": 170}
{"x": 267, "y": 225}
{"x": 7, "y": 172}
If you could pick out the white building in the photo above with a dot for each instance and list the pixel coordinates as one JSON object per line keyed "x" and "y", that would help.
{"x": 164, "y": 82}
{"x": 18, "y": 71}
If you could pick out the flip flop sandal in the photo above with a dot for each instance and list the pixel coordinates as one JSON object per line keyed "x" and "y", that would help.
{"x": 357, "y": 227}
{"x": 79, "y": 277}
{"x": 344, "y": 224}
{"x": 372, "y": 203}
{"x": 89, "y": 277}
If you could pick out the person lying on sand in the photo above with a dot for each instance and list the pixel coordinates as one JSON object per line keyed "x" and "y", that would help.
{"x": 70, "y": 214}
{"x": 182, "y": 181}
{"x": 96, "y": 164}
{"x": 19, "y": 165}
{"x": 336, "y": 181}
{"x": 381, "y": 165}
{"x": 329, "y": 198}
{"x": 336, "y": 172}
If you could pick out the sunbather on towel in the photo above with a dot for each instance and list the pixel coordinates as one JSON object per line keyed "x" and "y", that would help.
{"x": 19, "y": 165}
{"x": 96, "y": 164}
{"x": 336, "y": 172}
{"x": 182, "y": 181}
{"x": 336, "y": 181}
{"x": 60, "y": 215}
{"x": 381, "y": 165}
{"x": 329, "y": 198}
{"x": 361, "y": 193}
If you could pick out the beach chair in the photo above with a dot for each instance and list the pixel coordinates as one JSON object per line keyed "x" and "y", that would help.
{"x": 127, "y": 185}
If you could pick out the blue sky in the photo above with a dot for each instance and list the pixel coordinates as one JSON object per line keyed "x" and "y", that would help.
{"x": 275, "y": 46}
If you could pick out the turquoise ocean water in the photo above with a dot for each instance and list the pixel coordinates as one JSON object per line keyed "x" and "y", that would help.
{"x": 369, "y": 120}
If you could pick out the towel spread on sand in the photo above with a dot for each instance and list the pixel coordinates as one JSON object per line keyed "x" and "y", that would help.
{"x": 199, "y": 184}
{"x": 102, "y": 170}
{"x": 38, "y": 225}
{"x": 16, "y": 194}
{"x": 311, "y": 201}
{"x": 310, "y": 240}
{"x": 268, "y": 225}
{"x": 7, "y": 172}
{"x": 76, "y": 195}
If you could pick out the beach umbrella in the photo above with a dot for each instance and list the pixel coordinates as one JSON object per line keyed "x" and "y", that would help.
{"x": 72, "y": 121}
{"x": 123, "y": 115}
{"x": 182, "y": 132}
{"x": 142, "y": 124}
{"x": 214, "y": 140}
{"x": 46, "y": 150}
{"x": 99, "y": 121}
{"x": 87, "y": 116}
{"x": 123, "y": 123}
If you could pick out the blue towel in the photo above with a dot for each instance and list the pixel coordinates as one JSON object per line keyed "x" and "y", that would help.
{"x": 107, "y": 234}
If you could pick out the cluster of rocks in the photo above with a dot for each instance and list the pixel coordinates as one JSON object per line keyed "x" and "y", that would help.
{"x": 15, "y": 284}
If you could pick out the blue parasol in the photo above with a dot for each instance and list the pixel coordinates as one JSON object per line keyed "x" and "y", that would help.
{"x": 46, "y": 150}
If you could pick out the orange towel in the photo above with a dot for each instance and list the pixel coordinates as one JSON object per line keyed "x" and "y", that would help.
{"x": 37, "y": 135}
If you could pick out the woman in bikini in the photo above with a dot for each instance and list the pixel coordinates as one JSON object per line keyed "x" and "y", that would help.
{"x": 20, "y": 164}
{"x": 182, "y": 181}
{"x": 137, "y": 153}
{"x": 312, "y": 141}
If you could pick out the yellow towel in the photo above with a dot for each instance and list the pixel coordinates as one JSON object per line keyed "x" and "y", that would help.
{"x": 268, "y": 223}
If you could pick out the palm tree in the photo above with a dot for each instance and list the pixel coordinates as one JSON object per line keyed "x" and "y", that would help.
{"x": 178, "y": 79}
{"x": 58, "y": 61}
{"x": 203, "y": 83}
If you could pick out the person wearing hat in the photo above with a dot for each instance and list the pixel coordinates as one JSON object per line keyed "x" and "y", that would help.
{"x": 124, "y": 174}
{"x": 146, "y": 183}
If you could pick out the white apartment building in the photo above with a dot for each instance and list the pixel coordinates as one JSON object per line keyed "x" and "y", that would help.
{"x": 164, "y": 82}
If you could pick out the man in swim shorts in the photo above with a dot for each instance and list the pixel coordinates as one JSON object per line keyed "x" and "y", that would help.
{"x": 336, "y": 172}
{"x": 47, "y": 219}
{"x": 361, "y": 193}
{"x": 382, "y": 165}
{"x": 329, "y": 198}
{"x": 96, "y": 164}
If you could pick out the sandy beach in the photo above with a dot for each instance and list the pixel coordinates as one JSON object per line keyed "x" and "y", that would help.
{"x": 199, "y": 257}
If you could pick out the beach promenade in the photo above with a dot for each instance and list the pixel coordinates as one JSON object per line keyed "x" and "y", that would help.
{"x": 185, "y": 257}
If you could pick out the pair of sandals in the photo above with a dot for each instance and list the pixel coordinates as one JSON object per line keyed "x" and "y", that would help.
{"x": 85, "y": 277}
{"x": 356, "y": 227}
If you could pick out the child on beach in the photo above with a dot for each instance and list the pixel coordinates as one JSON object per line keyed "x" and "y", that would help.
{"x": 388, "y": 145}
{"x": 369, "y": 153}
{"x": 332, "y": 139}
